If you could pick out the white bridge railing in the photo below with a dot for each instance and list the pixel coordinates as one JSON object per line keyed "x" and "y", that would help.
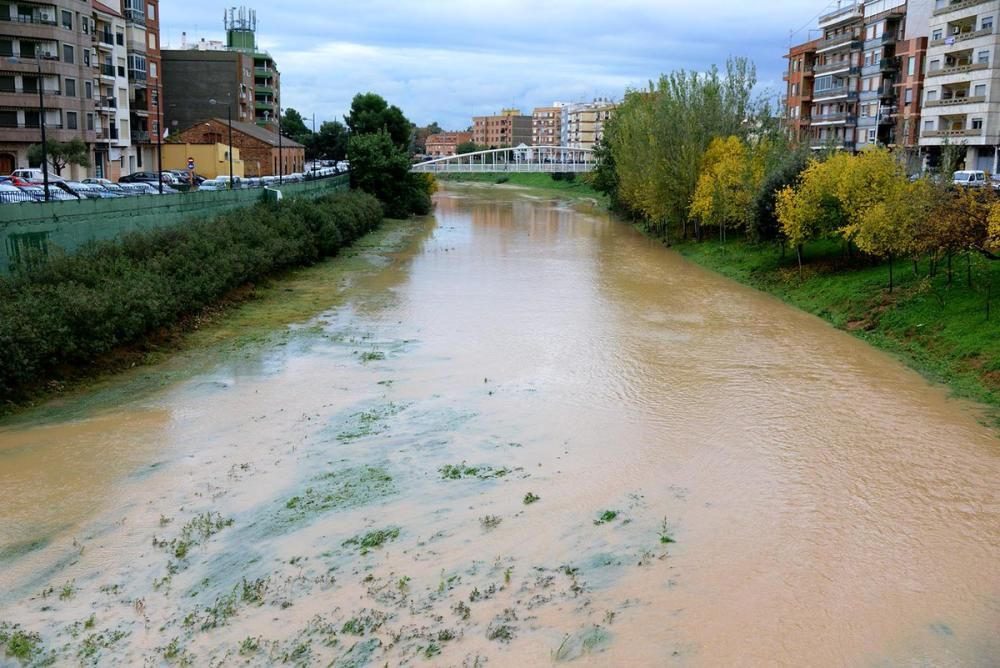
{"x": 525, "y": 159}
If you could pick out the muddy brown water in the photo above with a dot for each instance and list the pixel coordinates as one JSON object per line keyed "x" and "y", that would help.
{"x": 828, "y": 507}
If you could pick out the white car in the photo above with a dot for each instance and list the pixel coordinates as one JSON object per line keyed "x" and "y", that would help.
{"x": 36, "y": 175}
{"x": 969, "y": 178}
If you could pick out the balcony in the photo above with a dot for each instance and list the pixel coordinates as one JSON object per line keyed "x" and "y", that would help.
{"x": 833, "y": 93}
{"x": 140, "y": 136}
{"x": 883, "y": 66}
{"x": 264, "y": 90}
{"x": 955, "y": 6}
{"x": 819, "y": 144}
{"x": 975, "y": 99}
{"x": 853, "y": 12}
{"x": 107, "y": 104}
{"x": 264, "y": 106}
{"x": 835, "y": 118}
{"x": 104, "y": 39}
{"x": 108, "y": 71}
{"x": 32, "y": 19}
{"x": 948, "y": 134}
{"x": 958, "y": 69}
{"x": 263, "y": 72}
{"x": 844, "y": 66}
{"x": 838, "y": 41}
{"x": 884, "y": 40}
{"x": 137, "y": 77}
{"x": 961, "y": 37}
{"x": 882, "y": 92}
{"x": 135, "y": 17}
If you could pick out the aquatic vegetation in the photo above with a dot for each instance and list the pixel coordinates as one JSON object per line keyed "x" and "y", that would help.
{"x": 373, "y": 539}
{"x": 371, "y": 422}
{"x": 249, "y": 646}
{"x": 502, "y": 628}
{"x": 337, "y": 490}
{"x": 463, "y": 470}
{"x": 665, "y": 536}
{"x": 489, "y": 522}
{"x": 93, "y": 644}
{"x": 68, "y": 591}
{"x": 530, "y": 498}
{"x": 18, "y": 643}
{"x": 365, "y": 622}
{"x": 372, "y": 356}
{"x": 199, "y": 529}
{"x": 606, "y": 516}
{"x": 583, "y": 642}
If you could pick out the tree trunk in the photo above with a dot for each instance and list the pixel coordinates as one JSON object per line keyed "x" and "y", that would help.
{"x": 798, "y": 254}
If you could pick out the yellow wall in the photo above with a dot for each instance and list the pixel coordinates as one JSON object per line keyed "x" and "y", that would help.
{"x": 210, "y": 160}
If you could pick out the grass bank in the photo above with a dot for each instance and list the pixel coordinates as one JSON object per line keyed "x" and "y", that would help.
{"x": 71, "y": 314}
{"x": 577, "y": 188}
{"x": 938, "y": 327}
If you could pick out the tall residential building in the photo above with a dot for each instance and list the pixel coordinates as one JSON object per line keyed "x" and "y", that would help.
{"x": 962, "y": 85}
{"x": 836, "y": 78}
{"x": 508, "y": 129}
{"x": 798, "y": 99}
{"x": 60, "y": 34}
{"x": 546, "y": 125}
{"x": 583, "y": 124}
{"x": 867, "y": 74}
{"x": 113, "y": 151}
{"x": 142, "y": 39}
{"x": 237, "y": 74}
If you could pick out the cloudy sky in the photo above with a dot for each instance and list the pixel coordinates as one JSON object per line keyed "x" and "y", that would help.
{"x": 447, "y": 60}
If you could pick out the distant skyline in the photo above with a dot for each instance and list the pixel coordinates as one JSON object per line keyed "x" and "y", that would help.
{"x": 446, "y": 60}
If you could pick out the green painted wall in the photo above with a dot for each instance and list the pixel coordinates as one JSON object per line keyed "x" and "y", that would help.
{"x": 63, "y": 227}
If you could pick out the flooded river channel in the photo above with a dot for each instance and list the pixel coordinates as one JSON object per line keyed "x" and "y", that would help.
{"x": 530, "y": 437}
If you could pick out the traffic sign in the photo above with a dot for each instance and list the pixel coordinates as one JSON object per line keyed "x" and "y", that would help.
{"x": 191, "y": 163}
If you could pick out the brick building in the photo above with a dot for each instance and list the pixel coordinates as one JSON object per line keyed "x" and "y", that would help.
{"x": 546, "y": 126}
{"x": 258, "y": 147}
{"x": 507, "y": 129}
{"x": 798, "y": 101}
{"x": 446, "y": 143}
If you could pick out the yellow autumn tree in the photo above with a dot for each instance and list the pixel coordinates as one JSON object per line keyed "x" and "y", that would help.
{"x": 811, "y": 209}
{"x": 864, "y": 181}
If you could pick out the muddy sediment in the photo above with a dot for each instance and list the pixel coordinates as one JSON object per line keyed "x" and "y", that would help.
{"x": 530, "y": 437}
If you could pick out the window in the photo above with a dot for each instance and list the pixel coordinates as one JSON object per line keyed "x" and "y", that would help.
{"x": 6, "y": 47}
{"x": 120, "y": 38}
{"x": 32, "y": 119}
{"x": 152, "y": 39}
{"x": 6, "y": 83}
{"x": 86, "y": 57}
{"x": 88, "y": 90}
{"x": 68, "y": 54}
{"x": 937, "y": 34}
{"x": 151, "y": 12}
{"x": 67, "y": 20}
{"x": 932, "y": 95}
{"x": 908, "y": 96}
{"x": 152, "y": 70}
{"x": 70, "y": 85}
{"x": 911, "y": 66}
{"x": 71, "y": 120}
{"x": 934, "y": 65}
{"x": 8, "y": 119}
{"x": 984, "y": 57}
{"x": 871, "y": 135}
{"x": 928, "y": 125}
{"x": 987, "y": 23}
{"x": 980, "y": 90}
{"x": 90, "y": 122}
{"x": 977, "y": 124}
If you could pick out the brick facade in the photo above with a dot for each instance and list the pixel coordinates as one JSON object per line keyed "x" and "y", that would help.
{"x": 258, "y": 146}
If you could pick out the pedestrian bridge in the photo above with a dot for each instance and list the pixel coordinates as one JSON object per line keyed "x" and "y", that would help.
{"x": 523, "y": 159}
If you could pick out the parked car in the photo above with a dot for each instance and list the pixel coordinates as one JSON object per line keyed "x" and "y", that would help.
{"x": 55, "y": 194}
{"x": 214, "y": 184}
{"x": 91, "y": 190}
{"x": 15, "y": 181}
{"x": 140, "y": 177}
{"x": 11, "y": 194}
{"x": 969, "y": 178}
{"x": 268, "y": 181}
{"x": 35, "y": 175}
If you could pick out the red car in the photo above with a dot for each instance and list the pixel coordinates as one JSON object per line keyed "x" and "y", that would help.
{"x": 16, "y": 181}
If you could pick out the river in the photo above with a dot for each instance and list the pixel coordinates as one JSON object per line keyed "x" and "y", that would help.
{"x": 532, "y": 436}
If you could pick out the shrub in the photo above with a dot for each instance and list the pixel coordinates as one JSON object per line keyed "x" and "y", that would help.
{"x": 68, "y": 311}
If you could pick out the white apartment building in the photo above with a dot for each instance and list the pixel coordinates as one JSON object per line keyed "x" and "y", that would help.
{"x": 962, "y": 85}
{"x": 114, "y": 155}
{"x": 583, "y": 124}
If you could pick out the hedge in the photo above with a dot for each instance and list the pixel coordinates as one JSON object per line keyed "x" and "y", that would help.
{"x": 68, "y": 311}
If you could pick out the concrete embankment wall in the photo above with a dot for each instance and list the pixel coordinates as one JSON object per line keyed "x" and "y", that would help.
{"x": 64, "y": 227}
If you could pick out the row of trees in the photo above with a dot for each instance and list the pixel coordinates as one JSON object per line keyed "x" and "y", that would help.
{"x": 698, "y": 150}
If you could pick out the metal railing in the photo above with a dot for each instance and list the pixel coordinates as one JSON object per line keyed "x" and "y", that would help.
{"x": 533, "y": 159}
{"x": 108, "y": 70}
{"x": 29, "y": 19}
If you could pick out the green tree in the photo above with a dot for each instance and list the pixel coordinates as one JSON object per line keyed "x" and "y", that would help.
{"x": 60, "y": 154}
{"x": 468, "y": 147}
{"x": 331, "y": 141}
{"x": 370, "y": 113}
{"x": 381, "y": 168}
{"x": 420, "y": 135}
{"x": 294, "y": 126}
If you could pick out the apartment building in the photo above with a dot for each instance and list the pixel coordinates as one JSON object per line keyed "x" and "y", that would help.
{"x": 508, "y": 129}
{"x": 445, "y": 144}
{"x": 961, "y": 103}
{"x": 798, "y": 99}
{"x": 583, "y": 124}
{"x": 46, "y": 46}
{"x": 866, "y": 79}
{"x": 546, "y": 125}
{"x": 113, "y": 151}
{"x": 237, "y": 73}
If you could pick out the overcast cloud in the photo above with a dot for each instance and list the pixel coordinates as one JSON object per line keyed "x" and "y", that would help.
{"x": 447, "y": 60}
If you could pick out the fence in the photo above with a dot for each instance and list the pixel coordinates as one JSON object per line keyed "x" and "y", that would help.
{"x": 27, "y": 229}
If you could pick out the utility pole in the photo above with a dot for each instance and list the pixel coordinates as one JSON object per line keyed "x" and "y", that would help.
{"x": 281, "y": 162}
{"x": 159, "y": 134}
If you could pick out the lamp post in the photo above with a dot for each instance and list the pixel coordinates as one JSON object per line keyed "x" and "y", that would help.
{"x": 281, "y": 162}
{"x": 229, "y": 117}
{"x": 41, "y": 117}
{"x": 159, "y": 135}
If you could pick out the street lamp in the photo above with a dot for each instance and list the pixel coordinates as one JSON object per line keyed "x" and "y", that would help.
{"x": 41, "y": 119}
{"x": 281, "y": 162}
{"x": 159, "y": 135}
{"x": 229, "y": 113}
